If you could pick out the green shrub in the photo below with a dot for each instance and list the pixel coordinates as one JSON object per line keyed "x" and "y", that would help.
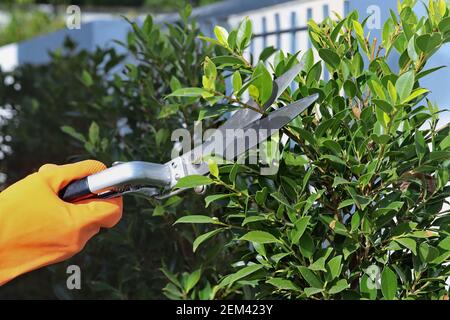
{"x": 25, "y": 24}
{"x": 363, "y": 176}
{"x": 361, "y": 182}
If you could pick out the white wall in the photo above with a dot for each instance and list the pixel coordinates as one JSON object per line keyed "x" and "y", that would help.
{"x": 301, "y": 8}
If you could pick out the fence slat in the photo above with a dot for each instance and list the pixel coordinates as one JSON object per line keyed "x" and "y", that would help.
{"x": 278, "y": 30}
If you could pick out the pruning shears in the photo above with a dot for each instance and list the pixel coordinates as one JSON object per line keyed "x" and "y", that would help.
{"x": 153, "y": 179}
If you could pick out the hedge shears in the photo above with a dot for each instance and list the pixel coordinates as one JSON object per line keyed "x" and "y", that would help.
{"x": 149, "y": 179}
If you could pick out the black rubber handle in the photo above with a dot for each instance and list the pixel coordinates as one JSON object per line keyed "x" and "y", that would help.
{"x": 76, "y": 190}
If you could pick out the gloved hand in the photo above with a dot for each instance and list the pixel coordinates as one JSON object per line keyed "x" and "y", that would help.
{"x": 37, "y": 228}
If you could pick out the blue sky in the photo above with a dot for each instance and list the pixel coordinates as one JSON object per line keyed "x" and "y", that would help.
{"x": 439, "y": 81}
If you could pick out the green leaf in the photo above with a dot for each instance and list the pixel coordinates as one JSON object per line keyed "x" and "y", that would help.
{"x": 427, "y": 253}
{"x": 350, "y": 89}
{"x": 266, "y": 53}
{"x": 445, "y": 243}
{"x": 346, "y": 203}
{"x": 416, "y": 93}
{"x": 86, "y": 79}
{"x": 341, "y": 285}
{"x": 393, "y": 206}
{"x": 251, "y": 219}
{"x": 190, "y": 92}
{"x": 200, "y": 239}
{"x": 168, "y": 110}
{"x": 404, "y": 85}
{"x": 299, "y": 229}
{"x": 293, "y": 160}
{"x": 412, "y": 52}
{"x": 261, "y": 237}
{"x": 334, "y": 267}
{"x": 170, "y": 291}
{"x": 193, "y": 181}
{"x": 378, "y": 89}
{"x": 277, "y": 257}
{"x": 197, "y": 219}
{"x": 215, "y": 197}
{"x": 221, "y": 35}
{"x": 227, "y": 60}
{"x": 333, "y": 159}
{"x": 215, "y": 111}
{"x": 338, "y": 181}
{"x": 444, "y": 25}
{"x": 161, "y": 135}
{"x": 211, "y": 40}
{"x": 392, "y": 92}
{"x": 318, "y": 265}
{"x": 237, "y": 81}
{"x": 361, "y": 201}
{"x": 73, "y": 133}
{"x": 263, "y": 82}
{"x": 280, "y": 198}
{"x": 312, "y": 291}
{"x": 253, "y": 91}
{"x": 332, "y": 146}
{"x": 408, "y": 243}
{"x": 192, "y": 280}
{"x": 445, "y": 143}
{"x": 209, "y": 68}
{"x": 358, "y": 29}
{"x": 282, "y": 284}
{"x": 330, "y": 57}
{"x": 261, "y": 196}
{"x": 337, "y": 29}
{"x": 158, "y": 211}
{"x": 306, "y": 246}
{"x": 244, "y": 33}
{"x": 428, "y": 42}
{"x": 172, "y": 277}
{"x": 355, "y": 222}
{"x": 314, "y": 74}
{"x": 213, "y": 168}
{"x": 310, "y": 277}
{"x": 428, "y": 71}
{"x": 307, "y": 60}
{"x": 421, "y": 147}
{"x": 388, "y": 283}
{"x": 94, "y": 133}
{"x": 366, "y": 290}
{"x": 174, "y": 83}
{"x": 242, "y": 273}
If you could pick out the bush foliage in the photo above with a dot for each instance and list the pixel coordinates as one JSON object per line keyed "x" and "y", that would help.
{"x": 355, "y": 210}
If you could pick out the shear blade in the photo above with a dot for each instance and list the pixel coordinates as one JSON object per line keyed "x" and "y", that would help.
{"x": 244, "y": 117}
{"x": 228, "y": 144}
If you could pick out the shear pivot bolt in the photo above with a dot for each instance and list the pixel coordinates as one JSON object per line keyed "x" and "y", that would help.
{"x": 177, "y": 176}
{"x": 200, "y": 189}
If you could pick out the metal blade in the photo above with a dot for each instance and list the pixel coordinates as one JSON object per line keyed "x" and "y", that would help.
{"x": 228, "y": 143}
{"x": 264, "y": 128}
{"x": 244, "y": 117}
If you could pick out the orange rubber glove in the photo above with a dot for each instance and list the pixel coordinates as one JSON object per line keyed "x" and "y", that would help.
{"x": 37, "y": 228}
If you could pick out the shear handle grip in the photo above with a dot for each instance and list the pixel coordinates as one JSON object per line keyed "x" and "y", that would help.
{"x": 76, "y": 190}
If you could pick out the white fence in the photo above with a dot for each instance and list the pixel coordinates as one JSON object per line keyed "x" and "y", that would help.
{"x": 279, "y": 23}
